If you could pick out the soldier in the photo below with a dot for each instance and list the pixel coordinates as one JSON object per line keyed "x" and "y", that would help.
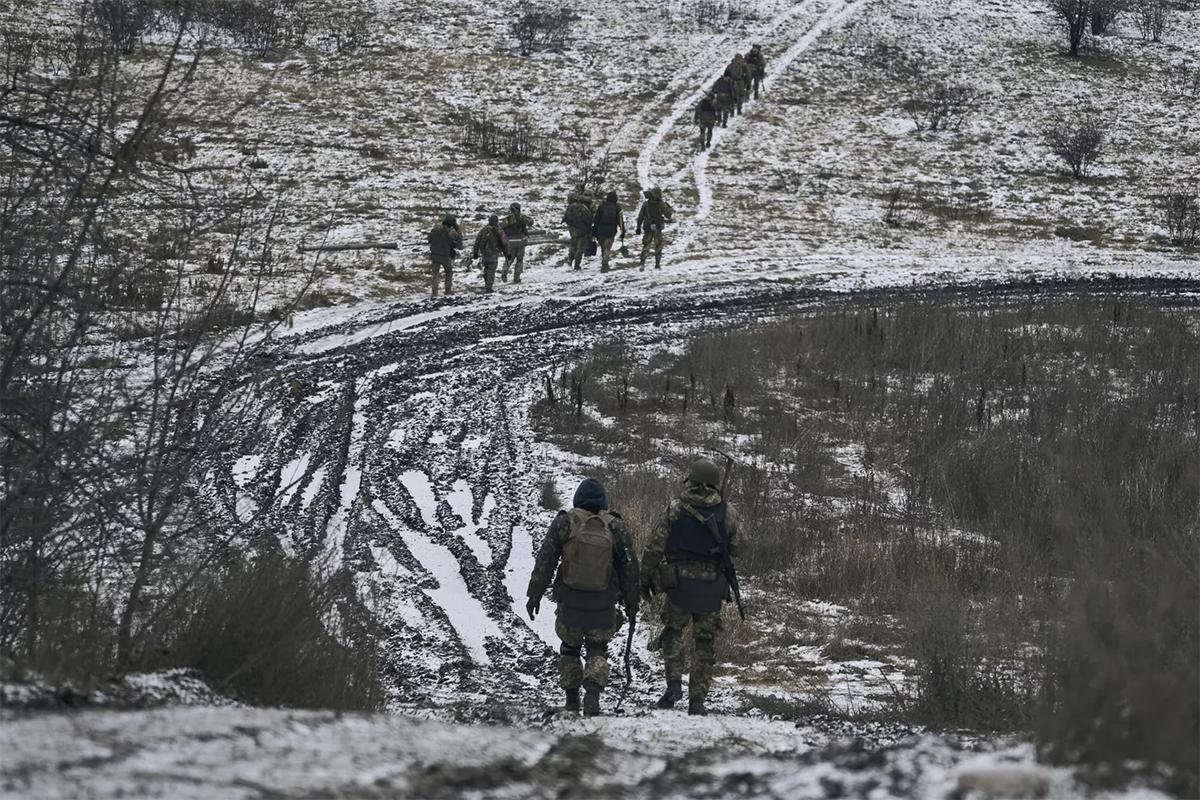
{"x": 444, "y": 241}
{"x": 597, "y": 569}
{"x": 516, "y": 227}
{"x": 758, "y": 67}
{"x": 723, "y": 91}
{"x": 490, "y": 244}
{"x": 685, "y": 559}
{"x": 578, "y": 219}
{"x": 654, "y": 214}
{"x": 740, "y": 73}
{"x": 608, "y": 220}
{"x": 706, "y": 118}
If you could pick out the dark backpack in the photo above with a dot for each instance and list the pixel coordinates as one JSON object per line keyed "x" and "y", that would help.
{"x": 588, "y": 553}
{"x": 578, "y": 216}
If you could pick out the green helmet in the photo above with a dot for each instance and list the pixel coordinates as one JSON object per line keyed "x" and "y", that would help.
{"x": 704, "y": 471}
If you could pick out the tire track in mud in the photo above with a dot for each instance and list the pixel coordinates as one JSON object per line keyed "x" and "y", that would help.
{"x": 421, "y": 477}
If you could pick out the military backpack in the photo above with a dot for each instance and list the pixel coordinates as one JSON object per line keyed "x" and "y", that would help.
{"x": 588, "y": 552}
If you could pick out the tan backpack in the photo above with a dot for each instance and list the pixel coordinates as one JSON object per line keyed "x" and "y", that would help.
{"x": 588, "y": 553}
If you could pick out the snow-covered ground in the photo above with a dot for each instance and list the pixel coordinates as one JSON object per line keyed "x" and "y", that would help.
{"x": 258, "y": 753}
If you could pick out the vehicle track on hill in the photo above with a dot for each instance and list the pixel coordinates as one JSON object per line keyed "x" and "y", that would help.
{"x": 407, "y": 458}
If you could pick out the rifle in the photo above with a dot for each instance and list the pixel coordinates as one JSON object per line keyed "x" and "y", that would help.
{"x": 726, "y": 556}
{"x": 628, "y": 664}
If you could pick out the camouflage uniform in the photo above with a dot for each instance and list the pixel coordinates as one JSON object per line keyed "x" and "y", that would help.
{"x": 723, "y": 92}
{"x": 547, "y": 572}
{"x": 739, "y": 71}
{"x": 608, "y": 221}
{"x": 758, "y": 67}
{"x": 706, "y": 118}
{"x": 490, "y": 244}
{"x": 578, "y": 219}
{"x": 653, "y": 215}
{"x": 516, "y": 227}
{"x": 705, "y": 626}
{"x": 444, "y": 241}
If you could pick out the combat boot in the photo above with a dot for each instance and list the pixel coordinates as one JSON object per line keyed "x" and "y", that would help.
{"x": 672, "y": 695}
{"x": 696, "y": 707}
{"x": 591, "y": 699}
{"x": 572, "y": 703}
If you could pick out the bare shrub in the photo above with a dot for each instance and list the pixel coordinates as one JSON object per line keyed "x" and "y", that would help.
{"x": 1104, "y": 14}
{"x": 1152, "y": 18}
{"x": 542, "y": 27}
{"x": 901, "y": 208}
{"x": 937, "y": 105}
{"x": 1076, "y": 15}
{"x": 515, "y": 141}
{"x": 708, "y": 15}
{"x": 1079, "y": 142}
{"x": 123, "y": 22}
{"x": 1181, "y": 217}
{"x": 588, "y": 165}
{"x": 277, "y": 631}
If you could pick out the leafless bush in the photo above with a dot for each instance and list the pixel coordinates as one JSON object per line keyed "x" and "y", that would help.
{"x": 274, "y": 632}
{"x": 589, "y": 166}
{"x": 1077, "y": 16}
{"x": 515, "y": 141}
{"x": 937, "y": 105}
{"x": 1183, "y": 81}
{"x": 266, "y": 26}
{"x": 542, "y": 27}
{"x": 1105, "y": 13}
{"x": 123, "y": 22}
{"x": 692, "y": 15}
{"x": 1152, "y": 18}
{"x": 1181, "y": 217}
{"x": 901, "y": 208}
{"x": 1079, "y": 142}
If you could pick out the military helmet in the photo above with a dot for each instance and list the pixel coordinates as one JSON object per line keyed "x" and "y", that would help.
{"x": 656, "y": 193}
{"x": 704, "y": 471}
{"x": 493, "y": 220}
{"x": 450, "y": 221}
{"x": 515, "y": 207}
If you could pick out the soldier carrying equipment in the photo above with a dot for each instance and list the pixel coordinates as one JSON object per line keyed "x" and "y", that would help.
{"x": 706, "y": 118}
{"x": 444, "y": 241}
{"x": 516, "y": 227}
{"x": 608, "y": 220}
{"x": 689, "y": 558}
{"x": 578, "y": 219}
{"x": 723, "y": 93}
{"x": 758, "y": 67}
{"x": 653, "y": 215}
{"x": 588, "y": 552}
{"x": 490, "y": 244}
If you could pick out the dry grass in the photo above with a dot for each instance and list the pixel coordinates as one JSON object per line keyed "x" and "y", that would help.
{"x": 1019, "y": 484}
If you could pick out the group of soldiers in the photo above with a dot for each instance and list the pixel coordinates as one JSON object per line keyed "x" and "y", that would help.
{"x": 743, "y": 76}
{"x": 588, "y": 561}
{"x": 593, "y": 224}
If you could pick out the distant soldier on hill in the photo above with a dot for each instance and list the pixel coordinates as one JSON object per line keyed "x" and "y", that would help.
{"x": 578, "y": 219}
{"x": 758, "y": 67}
{"x": 723, "y": 94}
{"x": 490, "y": 244}
{"x": 587, "y": 556}
{"x": 706, "y": 118}
{"x": 689, "y": 558}
{"x": 516, "y": 227}
{"x": 608, "y": 221}
{"x": 740, "y": 73}
{"x": 444, "y": 242}
{"x": 653, "y": 215}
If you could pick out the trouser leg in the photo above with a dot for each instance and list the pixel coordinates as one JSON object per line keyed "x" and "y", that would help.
{"x": 606, "y": 244}
{"x": 449, "y": 270}
{"x": 705, "y": 629}
{"x": 489, "y": 275}
{"x": 596, "y": 667}
{"x": 674, "y": 645}
{"x": 570, "y": 667}
{"x": 433, "y": 271}
{"x": 518, "y": 261}
{"x": 658, "y": 248}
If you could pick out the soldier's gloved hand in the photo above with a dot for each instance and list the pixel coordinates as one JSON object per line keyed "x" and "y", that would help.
{"x": 533, "y": 606}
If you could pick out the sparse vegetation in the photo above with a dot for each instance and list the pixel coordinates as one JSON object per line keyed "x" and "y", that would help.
{"x": 1181, "y": 217}
{"x": 541, "y": 27}
{"x": 1079, "y": 142}
{"x": 1152, "y": 18}
{"x": 1077, "y": 16}
{"x": 987, "y": 474}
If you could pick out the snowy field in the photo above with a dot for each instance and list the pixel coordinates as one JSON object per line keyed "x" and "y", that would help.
{"x": 402, "y": 447}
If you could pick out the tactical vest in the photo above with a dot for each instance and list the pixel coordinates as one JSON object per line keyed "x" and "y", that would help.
{"x": 690, "y": 540}
{"x": 607, "y": 219}
{"x": 587, "y": 594}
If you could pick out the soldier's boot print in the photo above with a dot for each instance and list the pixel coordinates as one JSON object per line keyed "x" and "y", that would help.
{"x": 696, "y": 707}
{"x": 572, "y": 701}
{"x": 591, "y": 699}
{"x": 672, "y": 695}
